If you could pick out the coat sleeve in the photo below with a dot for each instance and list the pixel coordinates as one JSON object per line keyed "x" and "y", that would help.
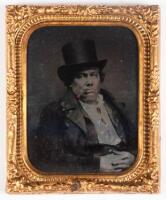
{"x": 57, "y": 149}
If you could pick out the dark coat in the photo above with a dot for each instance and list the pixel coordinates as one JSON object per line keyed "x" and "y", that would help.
{"x": 66, "y": 140}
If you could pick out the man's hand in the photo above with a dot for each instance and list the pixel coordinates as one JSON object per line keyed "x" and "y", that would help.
{"x": 116, "y": 161}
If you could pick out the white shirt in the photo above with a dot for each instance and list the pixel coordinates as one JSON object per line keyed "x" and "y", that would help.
{"x": 98, "y": 115}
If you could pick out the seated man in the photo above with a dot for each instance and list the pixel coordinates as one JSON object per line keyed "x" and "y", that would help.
{"x": 85, "y": 131}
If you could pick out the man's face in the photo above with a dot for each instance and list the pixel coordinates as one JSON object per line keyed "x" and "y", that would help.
{"x": 86, "y": 85}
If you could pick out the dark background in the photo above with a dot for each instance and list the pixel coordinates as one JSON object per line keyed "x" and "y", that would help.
{"x": 116, "y": 44}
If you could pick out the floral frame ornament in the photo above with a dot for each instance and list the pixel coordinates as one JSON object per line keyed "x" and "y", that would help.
{"x": 144, "y": 22}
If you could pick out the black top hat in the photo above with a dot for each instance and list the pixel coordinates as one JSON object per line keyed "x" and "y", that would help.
{"x": 79, "y": 55}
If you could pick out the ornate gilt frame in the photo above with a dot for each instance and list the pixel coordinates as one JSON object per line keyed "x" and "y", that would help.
{"x": 144, "y": 22}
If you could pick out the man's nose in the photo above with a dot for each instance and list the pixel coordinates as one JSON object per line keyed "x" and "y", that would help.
{"x": 89, "y": 81}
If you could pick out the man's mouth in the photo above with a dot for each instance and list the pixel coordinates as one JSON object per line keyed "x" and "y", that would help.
{"x": 87, "y": 93}
{"x": 90, "y": 92}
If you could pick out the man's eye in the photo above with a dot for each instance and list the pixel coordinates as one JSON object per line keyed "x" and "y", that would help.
{"x": 79, "y": 76}
{"x": 94, "y": 75}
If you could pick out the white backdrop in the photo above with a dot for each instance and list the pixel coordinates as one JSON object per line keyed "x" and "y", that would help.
{"x": 3, "y": 136}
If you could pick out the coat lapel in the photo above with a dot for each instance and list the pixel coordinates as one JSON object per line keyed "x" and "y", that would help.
{"x": 116, "y": 122}
{"x": 72, "y": 110}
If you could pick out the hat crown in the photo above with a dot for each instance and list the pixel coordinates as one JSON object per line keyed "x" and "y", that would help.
{"x": 79, "y": 51}
{"x": 79, "y": 55}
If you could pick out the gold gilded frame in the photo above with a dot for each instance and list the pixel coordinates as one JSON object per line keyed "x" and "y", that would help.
{"x": 143, "y": 176}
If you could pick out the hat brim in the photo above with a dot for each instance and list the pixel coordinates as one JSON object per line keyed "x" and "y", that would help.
{"x": 66, "y": 71}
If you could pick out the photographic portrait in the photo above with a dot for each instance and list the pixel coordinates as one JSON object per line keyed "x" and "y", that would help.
{"x": 82, "y": 99}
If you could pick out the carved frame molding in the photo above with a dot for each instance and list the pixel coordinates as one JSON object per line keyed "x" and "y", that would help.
{"x": 144, "y": 22}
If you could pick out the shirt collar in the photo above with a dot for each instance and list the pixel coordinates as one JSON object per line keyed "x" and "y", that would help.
{"x": 100, "y": 102}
